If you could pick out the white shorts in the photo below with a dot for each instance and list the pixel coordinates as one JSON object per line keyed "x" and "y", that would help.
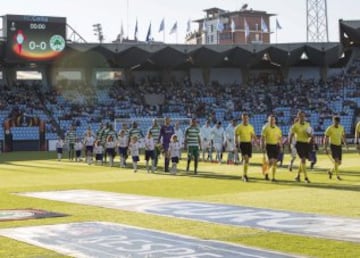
{"x": 230, "y": 146}
{"x": 205, "y": 145}
{"x": 218, "y": 147}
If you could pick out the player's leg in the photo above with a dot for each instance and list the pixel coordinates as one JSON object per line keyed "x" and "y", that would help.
{"x": 153, "y": 157}
{"x": 246, "y": 150}
{"x": 59, "y": 153}
{"x": 336, "y": 152}
{"x": 195, "y": 154}
{"x": 188, "y": 158}
{"x": 293, "y": 154}
{"x": 147, "y": 157}
{"x": 135, "y": 161}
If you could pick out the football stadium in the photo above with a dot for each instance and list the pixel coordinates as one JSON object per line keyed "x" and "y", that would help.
{"x": 226, "y": 146}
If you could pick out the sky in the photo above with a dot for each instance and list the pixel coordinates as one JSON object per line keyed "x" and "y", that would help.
{"x": 82, "y": 14}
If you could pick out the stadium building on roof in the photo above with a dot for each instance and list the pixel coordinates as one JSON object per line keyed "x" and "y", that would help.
{"x": 220, "y": 27}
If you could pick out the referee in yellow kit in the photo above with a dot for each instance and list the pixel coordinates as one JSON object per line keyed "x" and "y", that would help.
{"x": 303, "y": 132}
{"x": 244, "y": 135}
{"x": 335, "y": 135}
{"x": 271, "y": 142}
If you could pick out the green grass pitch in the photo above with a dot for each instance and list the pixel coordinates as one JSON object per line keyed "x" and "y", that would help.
{"x": 40, "y": 171}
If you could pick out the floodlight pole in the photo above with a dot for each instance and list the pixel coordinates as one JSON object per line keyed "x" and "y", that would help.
{"x": 316, "y": 21}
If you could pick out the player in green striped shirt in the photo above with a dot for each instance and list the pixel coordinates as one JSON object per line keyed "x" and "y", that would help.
{"x": 192, "y": 143}
{"x": 70, "y": 139}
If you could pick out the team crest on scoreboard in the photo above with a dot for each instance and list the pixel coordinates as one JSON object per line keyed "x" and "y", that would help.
{"x": 57, "y": 43}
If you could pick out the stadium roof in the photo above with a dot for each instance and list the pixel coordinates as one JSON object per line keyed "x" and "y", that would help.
{"x": 159, "y": 56}
{"x": 350, "y": 33}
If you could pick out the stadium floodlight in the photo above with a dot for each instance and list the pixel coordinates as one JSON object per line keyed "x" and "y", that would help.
{"x": 98, "y": 32}
{"x": 316, "y": 21}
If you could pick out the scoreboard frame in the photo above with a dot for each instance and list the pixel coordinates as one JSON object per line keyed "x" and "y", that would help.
{"x": 34, "y": 38}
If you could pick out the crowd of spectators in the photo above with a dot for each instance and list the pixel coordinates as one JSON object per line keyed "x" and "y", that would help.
{"x": 262, "y": 94}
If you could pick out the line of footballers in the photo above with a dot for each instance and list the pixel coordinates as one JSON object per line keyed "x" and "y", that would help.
{"x": 241, "y": 137}
{"x": 166, "y": 139}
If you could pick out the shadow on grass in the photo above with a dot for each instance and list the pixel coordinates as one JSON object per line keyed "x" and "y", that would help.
{"x": 256, "y": 179}
{"x": 9, "y": 158}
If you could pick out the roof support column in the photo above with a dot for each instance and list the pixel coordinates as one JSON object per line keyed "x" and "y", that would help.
{"x": 128, "y": 77}
{"x": 206, "y": 75}
{"x": 285, "y": 73}
{"x": 324, "y": 72}
{"x": 165, "y": 75}
{"x": 245, "y": 71}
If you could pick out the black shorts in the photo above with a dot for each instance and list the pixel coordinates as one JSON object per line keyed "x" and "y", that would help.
{"x": 135, "y": 158}
{"x": 99, "y": 157}
{"x": 78, "y": 153}
{"x": 123, "y": 151}
{"x": 59, "y": 150}
{"x": 336, "y": 151}
{"x": 110, "y": 152}
{"x": 149, "y": 154}
{"x": 175, "y": 160}
{"x": 246, "y": 149}
{"x": 272, "y": 151}
{"x": 89, "y": 149}
{"x": 303, "y": 149}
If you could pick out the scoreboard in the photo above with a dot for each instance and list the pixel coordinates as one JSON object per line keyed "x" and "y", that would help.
{"x": 34, "y": 38}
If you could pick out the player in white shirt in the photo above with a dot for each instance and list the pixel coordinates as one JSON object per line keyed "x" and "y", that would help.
{"x": 99, "y": 152}
{"x": 134, "y": 147}
{"x": 78, "y": 148}
{"x": 174, "y": 152}
{"x": 122, "y": 144}
{"x": 110, "y": 149}
{"x": 125, "y": 128}
{"x": 180, "y": 136}
{"x": 89, "y": 141}
{"x": 59, "y": 148}
{"x": 149, "y": 151}
{"x": 205, "y": 135}
{"x": 233, "y": 156}
{"x": 217, "y": 139}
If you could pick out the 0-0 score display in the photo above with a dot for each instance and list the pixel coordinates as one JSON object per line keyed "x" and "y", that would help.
{"x": 35, "y": 38}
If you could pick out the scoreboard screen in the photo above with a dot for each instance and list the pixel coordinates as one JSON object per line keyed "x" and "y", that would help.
{"x": 34, "y": 38}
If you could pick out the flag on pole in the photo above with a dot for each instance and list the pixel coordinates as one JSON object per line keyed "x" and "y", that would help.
{"x": 264, "y": 27}
{"x": 188, "y": 27}
{"x": 148, "y": 35}
{"x": 136, "y": 31}
{"x": 174, "y": 28}
{"x": 278, "y": 26}
{"x": 220, "y": 26}
{"x": 246, "y": 29}
{"x": 204, "y": 27}
{"x": 232, "y": 26}
{"x": 121, "y": 35}
{"x": 162, "y": 25}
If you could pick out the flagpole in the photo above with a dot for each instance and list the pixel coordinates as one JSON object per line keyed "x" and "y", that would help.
{"x": 127, "y": 17}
